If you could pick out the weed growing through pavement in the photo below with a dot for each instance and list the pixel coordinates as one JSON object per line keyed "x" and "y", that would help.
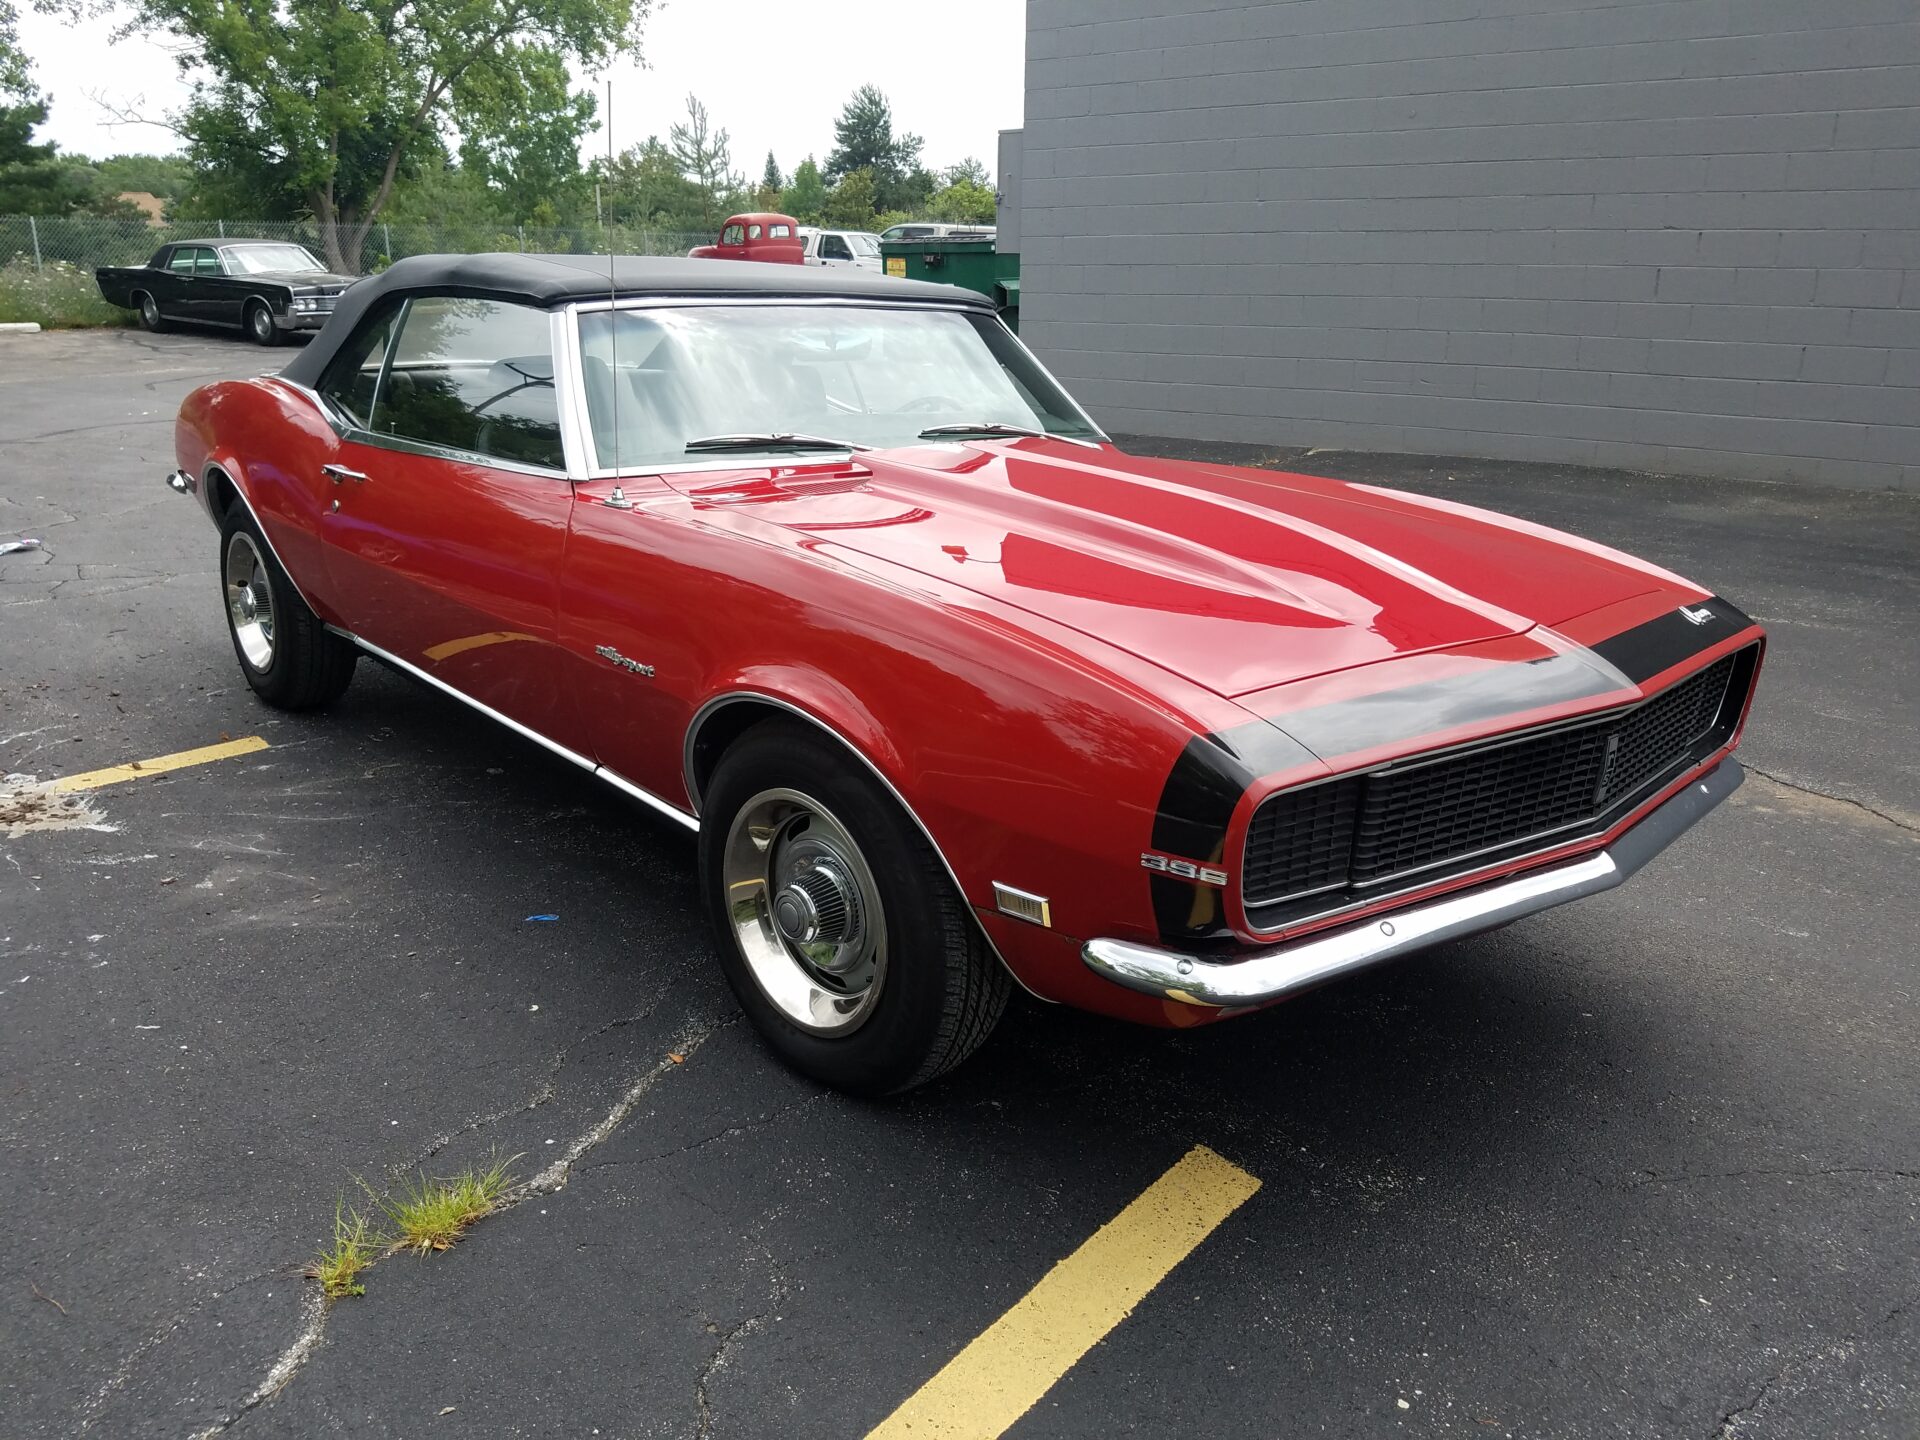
{"x": 355, "y": 1244}
{"x": 429, "y": 1215}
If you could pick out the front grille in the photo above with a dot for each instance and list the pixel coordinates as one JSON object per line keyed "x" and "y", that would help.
{"x": 1420, "y": 816}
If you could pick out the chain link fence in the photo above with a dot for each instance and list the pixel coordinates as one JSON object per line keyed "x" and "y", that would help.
{"x": 87, "y": 241}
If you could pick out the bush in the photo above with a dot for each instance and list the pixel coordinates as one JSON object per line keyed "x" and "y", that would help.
{"x": 59, "y": 296}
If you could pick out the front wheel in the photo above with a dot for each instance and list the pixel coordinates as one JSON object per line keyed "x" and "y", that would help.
{"x": 260, "y": 325}
{"x": 289, "y": 658}
{"x": 840, "y": 931}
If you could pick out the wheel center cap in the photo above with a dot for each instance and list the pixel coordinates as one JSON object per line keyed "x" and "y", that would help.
{"x": 794, "y": 913}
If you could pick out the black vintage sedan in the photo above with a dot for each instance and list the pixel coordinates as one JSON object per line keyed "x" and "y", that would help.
{"x": 268, "y": 288}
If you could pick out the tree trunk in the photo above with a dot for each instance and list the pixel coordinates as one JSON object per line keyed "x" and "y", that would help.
{"x": 327, "y": 219}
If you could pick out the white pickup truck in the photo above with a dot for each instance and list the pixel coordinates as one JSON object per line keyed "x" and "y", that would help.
{"x": 847, "y": 249}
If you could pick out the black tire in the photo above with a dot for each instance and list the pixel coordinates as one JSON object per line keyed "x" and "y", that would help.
{"x": 260, "y": 326}
{"x": 304, "y": 666}
{"x": 151, "y": 320}
{"x": 941, "y": 990}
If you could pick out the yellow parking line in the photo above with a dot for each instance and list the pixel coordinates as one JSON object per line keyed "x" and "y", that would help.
{"x": 1018, "y": 1358}
{"x": 160, "y": 764}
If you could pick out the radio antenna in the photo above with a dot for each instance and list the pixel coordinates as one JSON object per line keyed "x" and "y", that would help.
{"x": 613, "y": 312}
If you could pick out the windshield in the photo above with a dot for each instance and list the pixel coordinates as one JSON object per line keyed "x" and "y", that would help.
{"x": 260, "y": 259}
{"x": 863, "y": 244}
{"x": 872, "y": 376}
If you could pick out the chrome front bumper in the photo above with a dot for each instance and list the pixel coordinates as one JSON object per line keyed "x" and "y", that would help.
{"x": 1265, "y": 975}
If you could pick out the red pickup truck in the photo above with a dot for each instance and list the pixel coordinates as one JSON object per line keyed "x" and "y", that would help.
{"x": 758, "y": 235}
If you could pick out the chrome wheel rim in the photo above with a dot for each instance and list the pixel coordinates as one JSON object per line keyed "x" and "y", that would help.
{"x": 149, "y": 312}
{"x": 249, "y": 601}
{"x": 262, "y": 324}
{"x": 805, "y": 912}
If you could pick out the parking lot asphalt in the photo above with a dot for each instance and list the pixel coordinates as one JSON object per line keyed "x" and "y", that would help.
{"x": 1644, "y": 1166}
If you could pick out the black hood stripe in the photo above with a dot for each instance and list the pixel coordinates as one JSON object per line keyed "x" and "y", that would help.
{"x": 1347, "y": 726}
{"x": 1669, "y": 639}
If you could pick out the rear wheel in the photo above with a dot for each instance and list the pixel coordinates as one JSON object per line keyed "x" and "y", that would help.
{"x": 150, "y": 316}
{"x": 839, "y": 929}
{"x": 260, "y": 324}
{"x": 287, "y": 655}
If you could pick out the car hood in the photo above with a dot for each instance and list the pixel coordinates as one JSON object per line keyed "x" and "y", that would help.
{"x": 321, "y": 280}
{"x": 1238, "y": 580}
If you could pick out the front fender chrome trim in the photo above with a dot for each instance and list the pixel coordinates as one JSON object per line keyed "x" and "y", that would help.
{"x": 736, "y": 697}
{"x": 1283, "y": 970}
{"x": 573, "y": 757}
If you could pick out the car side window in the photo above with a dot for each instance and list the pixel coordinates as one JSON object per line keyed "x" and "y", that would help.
{"x": 833, "y": 247}
{"x": 779, "y": 232}
{"x": 732, "y": 235}
{"x": 207, "y": 262}
{"x": 353, "y": 379}
{"x": 182, "y": 261}
{"x": 476, "y": 376}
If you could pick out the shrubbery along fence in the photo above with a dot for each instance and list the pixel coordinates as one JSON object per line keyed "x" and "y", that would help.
{"x": 87, "y": 241}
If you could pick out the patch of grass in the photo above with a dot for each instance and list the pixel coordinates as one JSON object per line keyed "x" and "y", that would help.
{"x": 355, "y": 1246}
{"x": 430, "y": 1214}
{"x": 58, "y": 295}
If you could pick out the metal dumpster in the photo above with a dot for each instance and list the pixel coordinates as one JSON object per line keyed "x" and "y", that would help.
{"x": 970, "y": 262}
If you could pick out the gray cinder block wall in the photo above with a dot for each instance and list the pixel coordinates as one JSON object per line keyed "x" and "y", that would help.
{"x": 1678, "y": 236}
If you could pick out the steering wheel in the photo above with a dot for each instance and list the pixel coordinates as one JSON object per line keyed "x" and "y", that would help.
{"x": 929, "y": 403}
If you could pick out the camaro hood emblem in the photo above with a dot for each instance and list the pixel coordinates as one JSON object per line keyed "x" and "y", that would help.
{"x": 1698, "y": 616}
{"x": 607, "y": 652}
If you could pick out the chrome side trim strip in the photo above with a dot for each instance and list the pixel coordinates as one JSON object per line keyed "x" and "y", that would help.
{"x": 573, "y": 757}
{"x": 1288, "y": 969}
{"x": 733, "y": 697}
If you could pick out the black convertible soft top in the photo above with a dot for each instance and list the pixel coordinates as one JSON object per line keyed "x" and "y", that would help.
{"x": 548, "y": 280}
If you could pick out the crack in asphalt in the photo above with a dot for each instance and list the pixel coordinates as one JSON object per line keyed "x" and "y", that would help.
{"x": 552, "y": 1180}
{"x": 284, "y": 1367}
{"x": 124, "y": 1370}
{"x": 1898, "y": 821}
{"x": 543, "y": 1093}
{"x": 1728, "y": 1426}
{"x": 749, "y": 1326}
{"x": 1688, "y": 1177}
{"x": 772, "y": 1118}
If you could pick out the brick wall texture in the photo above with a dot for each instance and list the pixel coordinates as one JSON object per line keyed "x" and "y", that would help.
{"x": 1677, "y": 236}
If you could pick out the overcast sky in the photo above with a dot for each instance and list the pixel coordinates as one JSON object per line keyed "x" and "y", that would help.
{"x": 773, "y": 72}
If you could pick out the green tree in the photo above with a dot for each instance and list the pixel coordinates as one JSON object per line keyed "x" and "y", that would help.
{"x": 36, "y": 179}
{"x": 850, "y": 204}
{"x": 167, "y": 176}
{"x": 324, "y": 106}
{"x": 968, "y": 169}
{"x": 806, "y": 197}
{"x": 705, "y": 158}
{"x": 644, "y": 186}
{"x": 964, "y": 202}
{"x": 770, "y": 177}
{"x": 15, "y": 78}
{"x": 864, "y": 140}
{"x": 531, "y": 162}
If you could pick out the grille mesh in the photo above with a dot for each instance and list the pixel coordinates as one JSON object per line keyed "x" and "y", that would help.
{"x": 1371, "y": 827}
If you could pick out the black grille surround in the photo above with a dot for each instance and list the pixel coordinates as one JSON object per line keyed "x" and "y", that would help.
{"x": 1339, "y": 843}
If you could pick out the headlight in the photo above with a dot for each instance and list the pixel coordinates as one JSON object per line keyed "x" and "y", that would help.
{"x": 305, "y": 302}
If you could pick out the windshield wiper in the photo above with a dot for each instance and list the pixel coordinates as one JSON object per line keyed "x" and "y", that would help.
{"x": 981, "y": 427}
{"x": 780, "y": 441}
{"x": 998, "y": 427}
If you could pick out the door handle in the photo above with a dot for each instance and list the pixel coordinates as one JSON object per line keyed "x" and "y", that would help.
{"x": 337, "y": 473}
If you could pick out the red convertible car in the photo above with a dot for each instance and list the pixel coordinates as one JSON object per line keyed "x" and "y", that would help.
{"x": 826, "y": 568}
